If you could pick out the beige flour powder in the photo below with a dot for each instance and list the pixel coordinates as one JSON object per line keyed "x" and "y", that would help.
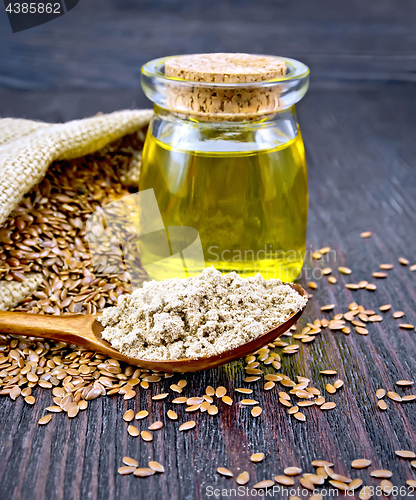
{"x": 197, "y": 317}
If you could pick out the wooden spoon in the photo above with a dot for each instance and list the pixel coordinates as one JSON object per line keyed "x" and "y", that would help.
{"x": 85, "y": 331}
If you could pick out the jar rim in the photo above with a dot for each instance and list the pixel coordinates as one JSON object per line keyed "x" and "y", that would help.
{"x": 218, "y": 101}
{"x": 296, "y": 70}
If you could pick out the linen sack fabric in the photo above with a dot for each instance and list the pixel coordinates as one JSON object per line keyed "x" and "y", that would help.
{"x": 28, "y": 148}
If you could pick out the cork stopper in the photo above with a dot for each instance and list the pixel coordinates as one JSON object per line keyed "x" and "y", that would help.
{"x": 226, "y": 102}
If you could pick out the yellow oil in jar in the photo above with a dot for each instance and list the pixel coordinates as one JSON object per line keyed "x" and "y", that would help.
{"x": 249, "y": 208}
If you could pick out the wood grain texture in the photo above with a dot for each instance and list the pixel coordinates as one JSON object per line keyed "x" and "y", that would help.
{"x": 102, "y": 44}
{"x": 361, "y": 149}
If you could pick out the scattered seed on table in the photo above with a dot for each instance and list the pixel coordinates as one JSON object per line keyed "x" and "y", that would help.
{"x": 411, "y": 483}
{"x": 193, "y": 408}
{"x": 322, "y": 463}
{"x": 330, "y": 388}
{"x": 227, "y": 400}
{"x": 133, "y": 431}
{"x": 300, "y": 416}
{"x": 379, "y": 275}
{"x": 73, "y": 411}
{"x": 30, "y": 400}
{"x": 403, "y": 261}
{"x": 292, "y": 471}
{"x": 406, "y": 326}
{"x": 326, "y": 270}
{"x": 332, "y": 280}
{"x": 380, "y": 393}
{"x": 338, "y": 384}
{"x": 251, "y": 379}
{"x": 172, "y": 415}
{"x": 182, "y": 383}
{"x": 146, "y": 436}
{"x": 210, "y": 391}
{"x": 405, "y": 454}
{"x": 386, "y": 486}
{"x": 413, "y": 464}
{"x": 143, "y": 472}
{"x": 344, "y": 270}
{"x": 328, "y": 307}
{"x": 382, "y": 404}
{"x": 398, "y": 314}
{"x": 156, "y": 466}
{"x": 356, "y": 483}
{"x": 267, "y": 483}
{"x": 306, "y": 483}
{"x": 128, "y": 416}
{"x": 160, "y": 396}
{"x": 386, "y": 266}
{"x": 257, "y": 457}
{"x": 212, "y": 410}
{"x": 361, "y": 331}
{"x": 366, "y": 234}
{"x": 272, "y": 378}
{"x": 124, "y": 471}
{"x": 187, "y": 426}
{"x": 180, "y": 400}
{"x": 404, "y": 382}
{"x": 314, "y": 478}
{"x": 371, "y": 287}
{"x": 328, "y": 372}
{"x": 176, "y": 388}
{"x": 293, "y": 410}
{"x": 194, "y": 401}
{"x": 312, "y": 285}
{"x": 375, "y": 318}
{"x": 412, "y": 267}
{"x": 381, "y": 473}
{"x": 394, "y": 396}
{"x": 54, "y": 409}
{"x": 221, "y": 391}
{"x": 130, "y": 394}
{"x": 243, "y": 478}
{"x": 243, "y": 390}
{"x": 45, "y": 420}
{"x": 361, "y": 463}
{"x": 249, "y": 402}
{"x": 156, "y": 426}
{"x": 339, "y": 484}
{"x": 256, "y": 411}
{"x": 328, "y": 406}
{"x": 409, "y": 397}
{"x": 224, "y": 472}
{"x": 386, "y": 307}
{"x": 352, "y": 286}
{"x": 269, "y": 385}
{"x": 142, "y": 414}
{"x": 131, "y": 462}
{"x": 286, "y": 481}
{"x": 320, "y": 401}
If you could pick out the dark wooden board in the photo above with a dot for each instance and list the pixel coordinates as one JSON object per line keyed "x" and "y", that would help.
{"x": 102, "y": 44}
{"x": 361, "y": 150}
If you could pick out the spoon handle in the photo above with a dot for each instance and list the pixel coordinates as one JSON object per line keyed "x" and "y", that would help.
{"x": 75, "y": 329}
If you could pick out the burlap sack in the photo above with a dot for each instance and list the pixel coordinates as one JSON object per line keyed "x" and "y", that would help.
{"x": 28, "y": 148}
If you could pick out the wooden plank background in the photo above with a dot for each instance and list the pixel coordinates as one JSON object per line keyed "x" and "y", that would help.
{"x": 358, "y": 122}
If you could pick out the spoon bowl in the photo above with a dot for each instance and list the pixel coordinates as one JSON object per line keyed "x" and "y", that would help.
{"x": 85, "y": 331}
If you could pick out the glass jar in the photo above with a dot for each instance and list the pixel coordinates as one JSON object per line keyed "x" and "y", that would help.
{"x": 231, "y": 180}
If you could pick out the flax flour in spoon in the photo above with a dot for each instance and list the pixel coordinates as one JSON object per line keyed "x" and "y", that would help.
{"x": 197, "y": 317}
